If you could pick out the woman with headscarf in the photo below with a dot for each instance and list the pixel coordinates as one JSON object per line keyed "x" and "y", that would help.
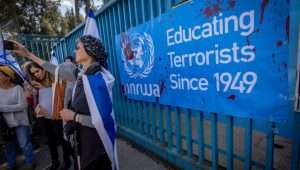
{"x": 13, "y": 108}
{"x": 91, "y": 54}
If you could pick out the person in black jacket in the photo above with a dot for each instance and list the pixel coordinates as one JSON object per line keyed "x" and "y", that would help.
{"x": 91, "y": 54}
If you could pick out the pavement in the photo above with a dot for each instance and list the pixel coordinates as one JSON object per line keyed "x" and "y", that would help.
{"x": 130, "y": 158}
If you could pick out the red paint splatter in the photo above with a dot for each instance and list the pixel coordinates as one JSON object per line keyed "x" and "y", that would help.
{"x": 128, "y": 52}
{"x": 287, "y": 27}
{"x": 248, "y": 37}
{"x": 161, "y": 87}
{"x": 125, "y": 43}
{"x": 123, "y": 89}
{"x": 208, "y": 12}
{"x": 211, "y": 10}
{"x": 216, "y": 8}
{"x": 284, "y": 64}
{"x": 263, "y": 6}
{"x": 279, "y": 43}
{"x": 231, "y": 3}
{"x": 232, "y": 97}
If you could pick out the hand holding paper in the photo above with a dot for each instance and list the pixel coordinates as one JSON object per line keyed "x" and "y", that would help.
{"x": 40, "y": 111}
{"x": 67, "y": 114}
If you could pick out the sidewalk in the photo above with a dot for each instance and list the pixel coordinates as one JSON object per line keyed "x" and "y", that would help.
{"x": 132, "y": 159}
{"x": 129, "y": 159}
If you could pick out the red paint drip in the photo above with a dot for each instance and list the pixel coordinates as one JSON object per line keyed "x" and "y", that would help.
{"x": 279, "y": 43}
{"x": 284, "y": 65}
{"x": 263, "y": 6}
{"x": 232, "y": 97}
{"x": 248, "y": 37}
{"x": 287, "y": 27}
{"x": 231, "y": 3}
{"x": 161, "y": 86}
{"x": 123, "y": 89}
{"x": 128, "y": 52}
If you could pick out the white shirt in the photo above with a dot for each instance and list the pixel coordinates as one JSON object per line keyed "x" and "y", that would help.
{"x": 13, "y": 106}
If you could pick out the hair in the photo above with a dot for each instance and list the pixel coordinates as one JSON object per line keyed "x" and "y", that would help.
{"x": 95, "y": 49}
{"x": 10, "y": 78}
{"x": 16, "y": 80}
{"x": 47, "y": 82}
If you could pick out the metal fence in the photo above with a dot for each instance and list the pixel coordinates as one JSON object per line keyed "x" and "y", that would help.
{"x": 187, "y": 138}
{"x": 41, "y": 45}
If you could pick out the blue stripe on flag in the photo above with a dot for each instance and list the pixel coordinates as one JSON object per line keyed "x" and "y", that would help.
{"x": 13, "y": 64}
{"x": 91, "y": 13}
{"x": 104, "y": 104}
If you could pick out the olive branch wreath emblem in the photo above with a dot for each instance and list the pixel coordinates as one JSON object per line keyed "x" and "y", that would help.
{"x": 131, "y": 73}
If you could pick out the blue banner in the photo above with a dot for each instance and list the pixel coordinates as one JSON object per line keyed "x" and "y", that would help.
{"x": 228, "y": 57}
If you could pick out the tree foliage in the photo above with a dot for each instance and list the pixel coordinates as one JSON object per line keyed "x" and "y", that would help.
{"x": 35, "y": 17}
{"x": 40, "y": 16}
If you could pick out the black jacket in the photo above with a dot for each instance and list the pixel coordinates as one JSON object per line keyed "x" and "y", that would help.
{"x": 90, "y": 145}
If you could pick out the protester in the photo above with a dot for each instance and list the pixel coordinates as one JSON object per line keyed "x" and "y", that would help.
{"x": 53, "y": 129}
{"x": 91, "y": 54}
{"x": 13, "y": 108}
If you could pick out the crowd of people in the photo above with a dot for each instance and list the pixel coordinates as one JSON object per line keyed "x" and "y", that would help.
{"x": 69, "y": 126}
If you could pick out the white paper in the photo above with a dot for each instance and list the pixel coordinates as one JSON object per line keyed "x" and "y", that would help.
{"x": 45, "y": 100}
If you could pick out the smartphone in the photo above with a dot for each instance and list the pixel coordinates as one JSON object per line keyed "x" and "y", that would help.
{"x": 8, "y": 45}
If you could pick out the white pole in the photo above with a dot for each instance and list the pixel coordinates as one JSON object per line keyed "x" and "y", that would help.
{"x": 297, "y": 102}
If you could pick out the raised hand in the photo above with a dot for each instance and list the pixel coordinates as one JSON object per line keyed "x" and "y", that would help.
{"x": 20, "y": 50}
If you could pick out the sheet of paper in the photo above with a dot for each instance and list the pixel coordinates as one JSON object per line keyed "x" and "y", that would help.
{"x": 45, "y": 100}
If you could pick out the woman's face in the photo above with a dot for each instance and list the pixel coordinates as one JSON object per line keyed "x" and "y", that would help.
{"x": 38, "y": 73}
{"x": 3, "y": 78}
{"x": 81, "y": 55}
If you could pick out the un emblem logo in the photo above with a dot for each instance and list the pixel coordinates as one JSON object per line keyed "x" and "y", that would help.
{"x": 137, "y": 54}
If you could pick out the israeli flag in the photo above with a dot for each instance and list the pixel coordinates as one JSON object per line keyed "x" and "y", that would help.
{"x": 91, "y": 25}
{"x": 98, "y": 91}
{"x": 6, "y": 58}
{"x": 53, "y": 58}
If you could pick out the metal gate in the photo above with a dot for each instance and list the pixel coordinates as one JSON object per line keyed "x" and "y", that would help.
{"x": 187, "y": 138}
{"x": 41, "y": 45}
